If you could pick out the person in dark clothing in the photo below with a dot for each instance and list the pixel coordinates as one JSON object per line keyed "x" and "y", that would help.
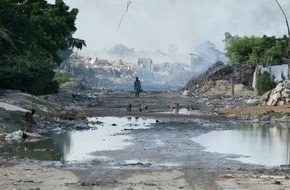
{"x": 137, "y": 87}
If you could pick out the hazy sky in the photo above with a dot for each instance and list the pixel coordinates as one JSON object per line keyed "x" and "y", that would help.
{"x": 155, "y": 24}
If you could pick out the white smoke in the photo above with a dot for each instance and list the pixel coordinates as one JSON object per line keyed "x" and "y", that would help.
{"x": 152, "y": 25}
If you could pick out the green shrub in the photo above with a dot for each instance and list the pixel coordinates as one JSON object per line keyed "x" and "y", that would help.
{"x": 61, "y": 78}
{"x": 264, "y": 83}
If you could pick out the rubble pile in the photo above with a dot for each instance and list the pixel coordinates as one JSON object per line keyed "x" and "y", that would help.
{"x": 119, "y": 74}
{"x": 218, "y": 78}
{"x": 279, "y": 95}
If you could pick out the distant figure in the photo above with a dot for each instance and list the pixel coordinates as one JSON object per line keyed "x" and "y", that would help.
{"x": 28, "y": 117}
{"x": 137, "y": 87}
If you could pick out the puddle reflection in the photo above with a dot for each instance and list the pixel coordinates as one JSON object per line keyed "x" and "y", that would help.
{"x": 257, "y": 144}
{"x": 106, "y": 133}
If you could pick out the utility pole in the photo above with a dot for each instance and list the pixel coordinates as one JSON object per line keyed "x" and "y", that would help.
{"x": 233, "y": 86}
{"x": 288, "y": 52}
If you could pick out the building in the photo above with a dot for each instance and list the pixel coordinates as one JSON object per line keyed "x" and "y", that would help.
{"x": 146, "y": 63}
{"x": 277, "y": 73}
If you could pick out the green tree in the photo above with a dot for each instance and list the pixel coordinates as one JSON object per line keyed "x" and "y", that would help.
{"x": 255, "y": 50}
{"x": 264, "y": 83}
{"x": 32, "y": 35}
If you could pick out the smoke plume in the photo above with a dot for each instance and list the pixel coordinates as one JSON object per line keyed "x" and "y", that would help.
{"x": 174, "y": 26}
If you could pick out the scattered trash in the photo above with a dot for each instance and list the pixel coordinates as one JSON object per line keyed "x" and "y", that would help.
{"x": 14, "y": 136}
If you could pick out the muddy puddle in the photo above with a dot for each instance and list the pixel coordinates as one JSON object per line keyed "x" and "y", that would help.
{"x": 104, "y": 134}
{"x": 255, "y": 144}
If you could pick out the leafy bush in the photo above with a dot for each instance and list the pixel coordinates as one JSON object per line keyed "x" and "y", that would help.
{"x": 264, "y": 83}
{"x": 39, "y": 87}
{"x": 28, "y": 74}
{"x": 35, "y": 37}
{"x": 253, "y": 50}
{"x": 61, "y": 78}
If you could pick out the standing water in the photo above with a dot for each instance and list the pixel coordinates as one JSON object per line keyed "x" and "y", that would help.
{"x": 256, "y": 144}
{"x": 105, "y": 134}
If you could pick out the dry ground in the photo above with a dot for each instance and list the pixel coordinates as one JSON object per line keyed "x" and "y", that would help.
{"x": 34, "y": 177}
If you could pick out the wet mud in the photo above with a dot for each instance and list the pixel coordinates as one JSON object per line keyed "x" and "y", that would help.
{"x": 159, "y": 154}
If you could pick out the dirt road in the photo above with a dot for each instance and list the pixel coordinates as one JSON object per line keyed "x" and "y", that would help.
{"x": 164, "y": 156}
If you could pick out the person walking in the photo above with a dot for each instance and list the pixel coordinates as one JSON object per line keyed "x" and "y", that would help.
{"x": 137, "y": 87}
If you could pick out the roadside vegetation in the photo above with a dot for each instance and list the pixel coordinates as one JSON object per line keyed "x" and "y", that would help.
{"x": 265, "y": 83}
{"x": 61, "y": 78}
{"x": 254, "y": 51}
{"x": 35, "y": 38}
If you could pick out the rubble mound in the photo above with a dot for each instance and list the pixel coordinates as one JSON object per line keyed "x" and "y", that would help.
{"x": 218, "y": 80}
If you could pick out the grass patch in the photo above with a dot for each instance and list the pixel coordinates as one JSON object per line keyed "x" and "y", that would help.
{"x": 15, "y": 122}
{"x": 8, "y": 127}
{"x": 280, "y": 115}
{"x": 42, "y": 103}
{"x": 62, "y": 78}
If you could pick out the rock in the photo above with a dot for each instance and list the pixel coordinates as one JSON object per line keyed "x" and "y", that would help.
{"x": 287, "y": 84}
{"x": 278, "y": 96}
{"x": 274, "y": 99}
{"x": 284, "y": 94}
{"x": 279, "y": 87}
{"x": 256, "y": 120}
{"x": 265, "y": 96}
{"x": 271, "y": 102}
{"x": 287, "y": 91}
{"x": 280, "y": 103}
{"x": 251, "y": 101}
